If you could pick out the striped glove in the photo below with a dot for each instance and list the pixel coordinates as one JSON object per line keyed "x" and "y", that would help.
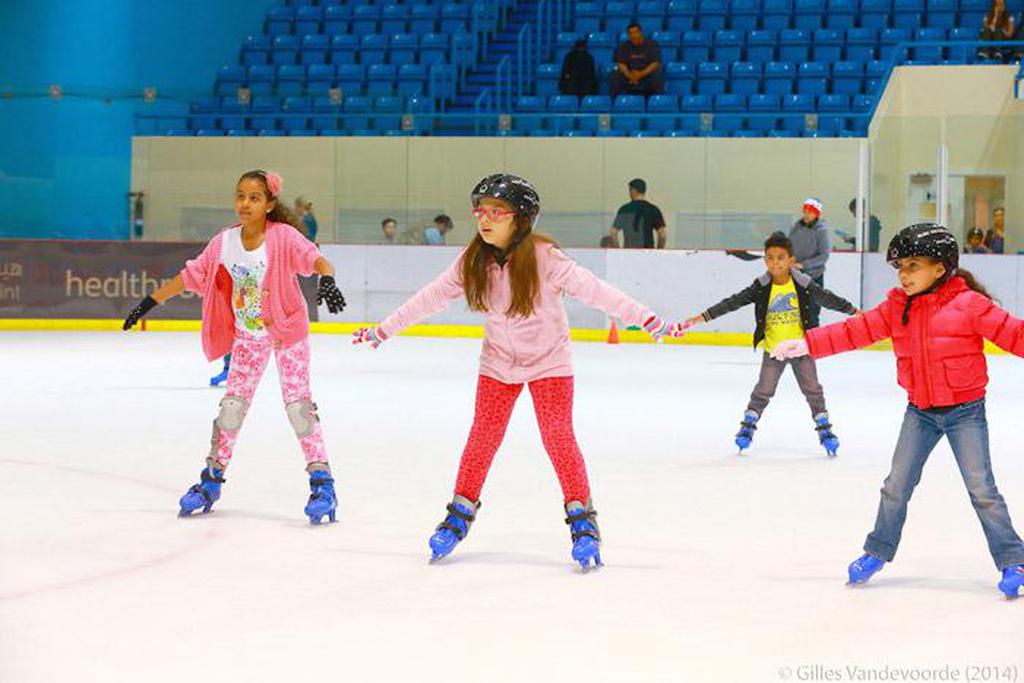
{"x": 372, "y": 335}
{"x": 658, "y": 328}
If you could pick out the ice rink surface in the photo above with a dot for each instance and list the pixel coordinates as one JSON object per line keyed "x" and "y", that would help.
{"x": 718, "y": 567}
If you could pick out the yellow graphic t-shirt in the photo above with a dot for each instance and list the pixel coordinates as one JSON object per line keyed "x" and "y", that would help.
{"x": 783, "y": 320}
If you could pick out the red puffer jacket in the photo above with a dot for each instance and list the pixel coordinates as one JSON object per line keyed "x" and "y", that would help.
{"x": 940, "y": 351}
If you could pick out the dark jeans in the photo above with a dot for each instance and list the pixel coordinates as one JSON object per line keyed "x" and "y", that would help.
{"x": 652, "y": 85}
{"x": 806, "y": 373}
{"x": 967, "y": 430}
{"x": 814, "y": 308}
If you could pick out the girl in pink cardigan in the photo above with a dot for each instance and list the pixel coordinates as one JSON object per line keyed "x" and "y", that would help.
{"x": 517, "y": 279}
{"x": 252, "y": 307}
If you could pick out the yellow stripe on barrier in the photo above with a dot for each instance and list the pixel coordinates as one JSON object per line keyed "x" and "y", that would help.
{"x": 443, "y": 331}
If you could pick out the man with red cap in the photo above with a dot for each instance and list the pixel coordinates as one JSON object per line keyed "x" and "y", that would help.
{"x": 811, "y": 247}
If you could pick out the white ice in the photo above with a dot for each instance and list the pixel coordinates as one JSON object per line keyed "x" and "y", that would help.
{"x": 719, "y": 567}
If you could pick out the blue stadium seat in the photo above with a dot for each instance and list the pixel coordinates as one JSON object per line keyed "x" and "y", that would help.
{"x": 433, "y": 46}
{"x": 286, "y": 50}
{"x": 601, "y": 45}
{"x": 929, "y": 53}
{"x": 336, "y": 19}
{"x": 777, "y": 14}
{"x": 652, "y": 14}
{"x": 617, "y": 15}
{"x": 861, "y": 44}
{"x": 344, "y": 48}
{"x": 798, "y": 107}
{"x": 744, "y": 15}
{"x": 809, "y": 14}
{"x": 681, "y": 15}
{"x": 454, "y": 17}
{"x": 365, "y": 19}
{"x": 314, "y": 49}
{"x": 693, "y": 106}
{"x": 373, "y": 49}
{"x": 388, "y": 112}
{"x": 593, "y": 104}
{"x": 625, "y": 112}
{"x": 908, "y": 14}
{"x": 828, "y": 45}
{"x": 423, "y": 18}
{"x": 394, "y": 18}
{"x": 761, "y": 45}
{"x": 889, "y": 39}
{"x": 291, "y": 79}
{"x": 240, "y": 133}
{"x": 794, "y": 45}
{"x": 779, "y": 78}
{"x": 829, "y": 122}
{"x": 380, "y": 79}
{"x": 279, "y": 21}
{"x": 874, "y": 74}
{"x": 548, "y": 76}
{"x": 262, "y": 104}
{"x": 711, "y": 15}
{"x": 696, "y": 47}
{"x": 726, "y": 108}
{"x": 765, "y": 105}
{"x": 412, "y": 79}
{"x": 841, "y": 14}
{"x": 308, "y": 19}
{"x": 973, "y": 11}
{"x": 528, "y": 108}
{"x": 351, "y": 77}
{"x": 942, "y": 14}
{"x": 664, "y": 107}
{"x": 728, "y": 46}
{"x": 965, "y": 54}
{"x": 712, "y": 78}
{"x": 875, "y": 13}
{"x": 256, "y": 50}
{"x": 679, "y": 78}
{"x": 357, "y": 112}
{"x": 812, "y": 78}
{"x": 848, "y": 78}
{"x": 745, "y": 78}
{"x": 563, "y": 105}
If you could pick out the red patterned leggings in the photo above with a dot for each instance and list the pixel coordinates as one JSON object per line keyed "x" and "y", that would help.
{"x": 552, "y": 403}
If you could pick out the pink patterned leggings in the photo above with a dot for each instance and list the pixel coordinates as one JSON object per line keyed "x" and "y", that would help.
{"x": 552, "y": 403}
{"x": 249, "y": 358}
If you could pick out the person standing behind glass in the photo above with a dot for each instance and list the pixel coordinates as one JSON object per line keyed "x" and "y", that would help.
{"x": 995, "y": 238}
{"x": 304, "y": 210}
{"x": 638, "y": 221}
{"x": 811, "y": 247}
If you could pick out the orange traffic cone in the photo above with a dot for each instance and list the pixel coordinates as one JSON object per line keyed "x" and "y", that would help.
{"x": 613, "y": 334}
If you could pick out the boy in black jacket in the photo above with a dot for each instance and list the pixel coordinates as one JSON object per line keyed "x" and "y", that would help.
{"x": 782, "y": 300}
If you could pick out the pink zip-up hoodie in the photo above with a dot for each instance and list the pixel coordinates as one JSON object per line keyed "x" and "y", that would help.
{"x": 289, "y": 254}
{"x": 517, "y": 349}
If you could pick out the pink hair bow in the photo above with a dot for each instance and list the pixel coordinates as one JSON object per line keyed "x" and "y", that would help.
{"x": 274, "y": 182}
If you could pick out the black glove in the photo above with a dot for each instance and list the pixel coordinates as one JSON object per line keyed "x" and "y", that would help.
{"x": 329, "y": 292}
{"x": 141, "y": 309}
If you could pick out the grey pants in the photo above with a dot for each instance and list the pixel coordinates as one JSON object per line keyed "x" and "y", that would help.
{"x": 806, "y": 373}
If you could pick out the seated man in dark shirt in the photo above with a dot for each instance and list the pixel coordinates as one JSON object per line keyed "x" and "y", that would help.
{"x": 638, "y": 66}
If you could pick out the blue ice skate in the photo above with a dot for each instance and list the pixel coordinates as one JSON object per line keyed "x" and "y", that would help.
{"x": 461, "y": 513}
{"x": 1013, "y": 579}
{"x": 204, "y": 494}
{"x": 747, "y": 429}
{"x": 586, "y": 537}
{"x": 219, "y": 379}
{"x": 322, "y": 500}
{"x": 829, "y": 441}
{"x": 863, "y": 568}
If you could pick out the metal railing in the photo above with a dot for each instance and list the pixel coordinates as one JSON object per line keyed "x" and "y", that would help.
{"x": 526, "y": 66}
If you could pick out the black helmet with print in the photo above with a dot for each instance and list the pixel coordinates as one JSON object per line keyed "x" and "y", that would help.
{"x": 518, "y": 192}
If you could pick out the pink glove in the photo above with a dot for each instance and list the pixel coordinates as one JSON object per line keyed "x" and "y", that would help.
{"x": 374, "y": 335}
{"x": 790, "y": 348}
{"x": 658, "y": 328}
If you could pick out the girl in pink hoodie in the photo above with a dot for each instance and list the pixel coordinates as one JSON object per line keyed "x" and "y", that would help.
{"x": 252, "y": 307}
{"x": 517, "y": 278}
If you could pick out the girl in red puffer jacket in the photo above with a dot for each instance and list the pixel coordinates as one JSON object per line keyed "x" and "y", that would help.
{"x": 938, "y": 319}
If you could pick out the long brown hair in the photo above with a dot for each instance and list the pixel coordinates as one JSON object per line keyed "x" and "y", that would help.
{"x": 1004, "y": 19}
{"x": 280, "y": 213}
{"x": 972, "y": 283}
{"x": 522, "y": 268}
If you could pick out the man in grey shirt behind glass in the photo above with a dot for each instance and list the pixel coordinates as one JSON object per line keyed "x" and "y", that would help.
{"x": 811, "y": 247}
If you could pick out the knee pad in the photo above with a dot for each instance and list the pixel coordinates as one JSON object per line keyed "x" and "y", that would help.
{"x": 232, "y": 413}
{"x": 302, "y": 415}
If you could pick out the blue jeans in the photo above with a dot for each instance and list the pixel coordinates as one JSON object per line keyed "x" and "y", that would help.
{"x": 967, "y": 430}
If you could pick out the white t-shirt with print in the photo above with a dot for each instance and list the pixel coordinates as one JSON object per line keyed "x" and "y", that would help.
{"x": 247, "y": 270}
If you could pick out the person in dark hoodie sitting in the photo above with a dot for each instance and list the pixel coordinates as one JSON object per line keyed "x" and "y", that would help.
{"x": 782, "y": 299}
{"x": 579, "y": 74}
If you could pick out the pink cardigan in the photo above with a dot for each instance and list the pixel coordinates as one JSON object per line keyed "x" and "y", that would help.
{"x": 517, "y": 349}
{"x": 289, "y": 254}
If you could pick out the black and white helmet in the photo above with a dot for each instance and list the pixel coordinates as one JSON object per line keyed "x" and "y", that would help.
{"x": 518, "y": 192}
{"x": 926, "y": 239}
